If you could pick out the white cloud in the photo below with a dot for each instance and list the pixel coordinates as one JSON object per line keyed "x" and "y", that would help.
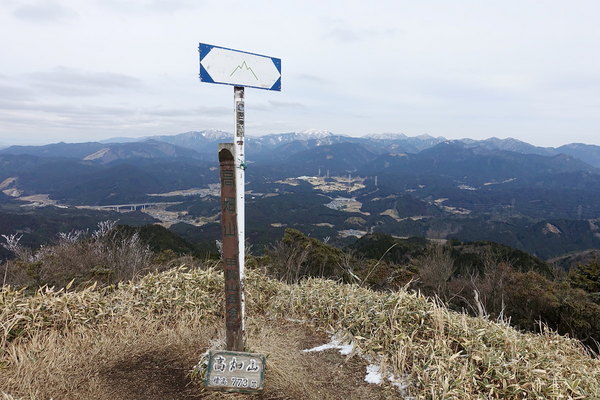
{"x": 144, "y": 7}
{"x": 66, "y": 81}
{"x": 453, "y": 69}
{"x": 42, "y": 11}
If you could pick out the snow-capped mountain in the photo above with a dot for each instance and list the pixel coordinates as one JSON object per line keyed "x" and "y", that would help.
{"x": 281, "y": 138}
{"x": 316, "y": 133}
{"x": 208, "y": 135}
{"x": 283, "y": 144}
{"x": 200, "y": 141}
{"x": 386, "y": 136}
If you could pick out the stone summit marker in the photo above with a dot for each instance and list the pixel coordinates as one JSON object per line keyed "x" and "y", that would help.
{"x": 233, "y": 370}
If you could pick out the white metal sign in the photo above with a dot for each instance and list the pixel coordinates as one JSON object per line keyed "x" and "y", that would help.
{"x": 239, "y": 68}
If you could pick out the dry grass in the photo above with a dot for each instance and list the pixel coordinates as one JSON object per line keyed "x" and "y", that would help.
{"x": 151, "y": 359}
{"x": 105, "y": 256}
{"x": 104, "y": 343}
{"x": 156, "y": 294}
{"x": 115, "y": 361}
{"x": 447, "y": 355}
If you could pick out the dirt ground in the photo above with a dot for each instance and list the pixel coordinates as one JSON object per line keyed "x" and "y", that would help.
{"x": 149, "y": 361}
{"x": 164, "y": 375}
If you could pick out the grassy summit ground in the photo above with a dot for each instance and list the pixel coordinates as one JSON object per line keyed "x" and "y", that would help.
{"x": 141, "y": 339}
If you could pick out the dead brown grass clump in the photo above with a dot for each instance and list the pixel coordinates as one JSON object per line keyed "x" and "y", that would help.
{"x": 139, "y": 340}
{"x": 446, "y": 355}
{"x": 156, "y": 294}
{"x": 127, "y": 358}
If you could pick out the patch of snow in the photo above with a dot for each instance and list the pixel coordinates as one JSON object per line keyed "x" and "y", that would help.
{"x": 336, "y": 344}
{"x": 374, "y": 375}
{"x": 316, "y": 133}
{"x": 346, "y": 349}
{"x": 386, "y": 136}
{"x": 214, "y": 134}
{"x": 322, "y": 347}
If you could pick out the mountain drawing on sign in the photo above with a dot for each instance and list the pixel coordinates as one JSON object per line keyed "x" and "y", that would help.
{"x": 243, "y": 65}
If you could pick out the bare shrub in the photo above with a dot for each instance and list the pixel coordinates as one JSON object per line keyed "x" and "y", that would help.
{"x": 287, "y": 261}
{"x": 72, "y": 236}
{"x": 124, "y": 257}
{"x": 435, "y": 268}
{"x": 348, "y": 264}
{"x": 219, "y": 245}
{"x": 12, "y": 244}
{"x": 104, "y": 228}
{"x": 489, "y": 286}
{"x": 483, "y": 292}
{"x": 105, "y": 257}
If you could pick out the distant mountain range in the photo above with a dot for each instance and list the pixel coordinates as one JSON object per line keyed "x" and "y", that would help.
{"x": 502, "y": 190}
{"x": 493, "y": 171}
{"x": 203, "y": 144}
{"x": 105, "y": 153}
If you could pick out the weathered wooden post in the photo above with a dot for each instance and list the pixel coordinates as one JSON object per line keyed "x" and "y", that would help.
{"x": 232, "y": 369}
{"x": 230, "y": 241}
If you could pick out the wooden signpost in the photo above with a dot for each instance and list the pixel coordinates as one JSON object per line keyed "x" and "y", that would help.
{"x": 229, "y": 237}
{"x": 234, "y": 370}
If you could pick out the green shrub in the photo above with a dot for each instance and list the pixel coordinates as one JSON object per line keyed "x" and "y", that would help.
{"x": 586, "y": 277}
{"x": 298, "y": 256}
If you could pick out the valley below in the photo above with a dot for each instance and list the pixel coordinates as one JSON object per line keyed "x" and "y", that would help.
{"x": 501, "y": 239}
{"x": 534, "y": 199}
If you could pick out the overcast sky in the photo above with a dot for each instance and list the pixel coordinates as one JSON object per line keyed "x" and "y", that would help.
{"x": 84, "y": 70}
